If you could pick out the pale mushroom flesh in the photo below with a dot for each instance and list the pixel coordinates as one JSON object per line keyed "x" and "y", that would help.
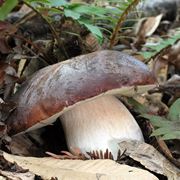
{"x": 100, "y": 124}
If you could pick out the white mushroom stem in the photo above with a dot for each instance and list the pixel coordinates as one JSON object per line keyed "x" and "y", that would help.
{"x": 99, "y": 125}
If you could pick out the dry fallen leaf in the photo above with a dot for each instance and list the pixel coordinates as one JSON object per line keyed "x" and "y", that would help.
{"x": 145, "y": 28}
{"x": 17, "y": 176}
{"x": 78, "y": 169}
{"x": 149, "y": 157}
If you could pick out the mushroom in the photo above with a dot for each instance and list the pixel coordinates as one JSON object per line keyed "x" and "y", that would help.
{"x": 84, "y": 91}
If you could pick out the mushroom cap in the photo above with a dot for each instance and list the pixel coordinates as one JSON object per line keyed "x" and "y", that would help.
{"x": 57, "y": 88}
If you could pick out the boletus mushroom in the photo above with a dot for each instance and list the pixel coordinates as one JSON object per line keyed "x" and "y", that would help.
{"x": 84, "y": 91}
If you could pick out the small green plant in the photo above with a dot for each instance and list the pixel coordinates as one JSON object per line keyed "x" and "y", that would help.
{"x": 82, "y": 13}
{"x": 164, "y": 43}
{"x": 167, "y": 127}
{"x": 96, "y": 17}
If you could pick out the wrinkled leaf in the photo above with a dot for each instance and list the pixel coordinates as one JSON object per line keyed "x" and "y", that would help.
{"x": 148, "y": 26}
{"x": 17, "y": 176}
{"x": 149, "y": 157}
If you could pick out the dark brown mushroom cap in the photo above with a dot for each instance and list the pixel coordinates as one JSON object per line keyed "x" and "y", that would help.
{"x": 58, "y": 87}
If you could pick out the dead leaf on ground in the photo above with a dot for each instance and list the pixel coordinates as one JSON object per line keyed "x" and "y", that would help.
{"x": 17, "y": 176}
{"x": 145, "y": 28}
{"x": 79, "y": 170}
{"x": 22, "y": 145}
{"x": 149, "y": 157}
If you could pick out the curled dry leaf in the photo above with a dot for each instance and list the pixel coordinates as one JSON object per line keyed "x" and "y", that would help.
{"x": 49, "y": 168}
{"x": 145, "y": 28}
{"x": 16, "y": 176}
{"x": 149, "y": 157}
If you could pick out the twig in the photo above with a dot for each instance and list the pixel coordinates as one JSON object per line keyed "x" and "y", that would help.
{"x": 24, "y": 19}
{"x": 40, "y": 50}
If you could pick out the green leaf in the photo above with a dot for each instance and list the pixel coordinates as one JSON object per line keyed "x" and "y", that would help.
{"x": 72, "y": 14}
{"x": 167, "y": 133}
{"x": 157, "y": 121}
{"x": 174, "y": 111}
{"x": 93, "y": 29}
{"x": 87, "y": 9}
{"x": 147, "y": 54}
{"x": 161, "y": 131}
{"x": 7, "y": 7}
{"x": 138, "y": 107}
{"x": 166, "y": 129}
{"x": 37, "y": 1}
{"x": 51, "y": 3}
{"x": 57, "y": 3}
{"x": 172, "y": 135}
{"x": 154, "y": 49}
{"x": 54, "y": 11}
